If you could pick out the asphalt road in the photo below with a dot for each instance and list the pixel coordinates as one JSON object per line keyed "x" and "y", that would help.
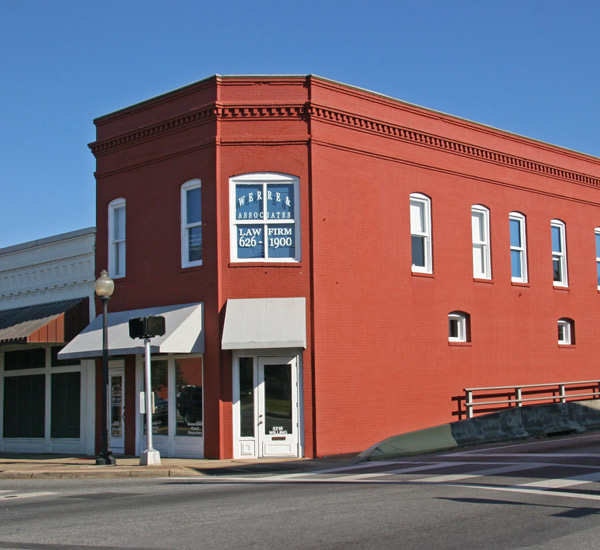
{"x": 531, "y": 495}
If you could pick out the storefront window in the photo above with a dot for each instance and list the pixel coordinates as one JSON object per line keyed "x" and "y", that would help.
{"x": 160, "y": 389}
{"x": 27, "y": 406}
{"x": 65, "y": 405}
{"x": 188, "y": 374}
{"x": 246, "y": 397}
{"x": 116, "y": 406}
{"x": 25, "y": 359}
{"x": 278, "y": 399}
{"x": 24, "y": 406}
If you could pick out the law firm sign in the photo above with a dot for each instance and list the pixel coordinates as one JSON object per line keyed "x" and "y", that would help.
{"x": 265, "y": 220}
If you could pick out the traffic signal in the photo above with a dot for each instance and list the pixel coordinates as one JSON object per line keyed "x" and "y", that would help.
{"x": 147, "y": 327}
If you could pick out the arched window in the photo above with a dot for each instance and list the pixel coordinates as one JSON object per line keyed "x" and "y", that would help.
{"x": 566, "y": 332}
{"x": 116, "y": 238}
{"x": 459, "y": 327}
{"x": 420, "y": 233}
{"x": 191, "y": 223}
{"x": 265, "y": 218}
{"x": 518, "y": 247}
{"x": 597, "y": 239}
{"x": 480, "y": 229}
{"x": 559, "y": 253}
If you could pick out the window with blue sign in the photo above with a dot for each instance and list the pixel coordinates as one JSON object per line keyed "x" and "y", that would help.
{"x": 264, "y": 211}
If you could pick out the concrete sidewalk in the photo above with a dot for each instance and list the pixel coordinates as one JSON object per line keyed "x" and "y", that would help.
{"x": 65, "y": 467}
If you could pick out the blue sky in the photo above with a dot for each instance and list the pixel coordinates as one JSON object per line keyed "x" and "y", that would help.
{"x": 527, "y": 66}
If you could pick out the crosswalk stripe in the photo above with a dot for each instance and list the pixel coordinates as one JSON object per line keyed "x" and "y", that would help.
{"x": 533, "y": 491}
{"x": 526, "y": 455}
{"x": 411, "y": 467}
{"x": 482, "y": 452}
{"x": 357, "y": 474}
{"x": 564, "y": 482}
{"x": 371, "y": 475}
{"x": 322, "y": 476}
{"x": 480, "y": 473}
{"x": 363, "y": 465}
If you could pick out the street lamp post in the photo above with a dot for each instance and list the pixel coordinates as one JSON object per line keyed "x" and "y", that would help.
{"x": 104, "y": 288}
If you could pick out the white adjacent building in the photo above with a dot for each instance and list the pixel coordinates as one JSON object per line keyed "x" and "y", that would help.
{"x": 46, "y": 298}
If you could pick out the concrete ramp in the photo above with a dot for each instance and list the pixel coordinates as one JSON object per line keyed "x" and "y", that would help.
{"x": 508, "y": 425}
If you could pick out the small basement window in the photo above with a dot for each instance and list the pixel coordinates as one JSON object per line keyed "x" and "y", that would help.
{"x": 566, "y": 332}
{"x": 459, "y": 327}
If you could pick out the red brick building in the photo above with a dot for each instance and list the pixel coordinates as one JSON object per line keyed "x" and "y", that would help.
{"x": 349, "y": 262}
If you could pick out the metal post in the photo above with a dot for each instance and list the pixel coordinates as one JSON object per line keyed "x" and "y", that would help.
{"x": 563, "y": 395}
{"x": 150, "y": 455}
{"x": 105, "y": 456}
{"x": 519, "y": 396}
{"x": 469, "y": 403}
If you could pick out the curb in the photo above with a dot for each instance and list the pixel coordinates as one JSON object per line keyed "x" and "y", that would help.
{"x": 97, "y": 474}
{"x": 63, "y": 468}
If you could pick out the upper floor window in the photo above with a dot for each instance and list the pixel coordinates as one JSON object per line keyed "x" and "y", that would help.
{"x": 566, "y": 332}
{"x": 518, "y": 248}
{"x": 265, "y": 218}
{"x": 191, "y": 223}
{"x": 559, "y": 253}
{"x": 420, "y": 233}
{"x": 116, "y": 238}
{"x": 458, "y": 327}
{"x": 480, "y": 229}
{"x": 597, "y": 237}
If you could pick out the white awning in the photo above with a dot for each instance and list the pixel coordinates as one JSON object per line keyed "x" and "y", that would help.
{"x": 258, "y": 323}
{"x": 184, "y": 333}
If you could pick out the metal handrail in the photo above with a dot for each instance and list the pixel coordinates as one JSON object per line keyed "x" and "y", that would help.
{"x": 518, "y": 399}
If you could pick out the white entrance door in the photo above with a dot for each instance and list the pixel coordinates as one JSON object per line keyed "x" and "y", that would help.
{"x": 116, "y": 410}
{"x": 277, "y": 407}
{"x": 267, "y": 407}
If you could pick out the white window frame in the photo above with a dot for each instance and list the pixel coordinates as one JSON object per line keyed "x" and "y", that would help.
{"x": 520, "y": 249}
{"x": 460, "y": 319}
{"x": 421, "y": 228}
{"x": 169, "y": 444}
{"x": 47, "y": 443}
{"x": 559, "y": 256}
{"x": 185, "y": 226}
{"x": 597, "y": 243}
{"x": 116, "y": 243}
{"x": 482, "y": 266}
{"x": 264, "y": 178}
{"x": 565, "y": 332}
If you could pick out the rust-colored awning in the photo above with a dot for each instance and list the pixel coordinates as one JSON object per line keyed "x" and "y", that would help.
{"x": 55, "y": 322}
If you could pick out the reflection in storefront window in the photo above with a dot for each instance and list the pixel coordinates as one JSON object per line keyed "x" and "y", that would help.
{"x": 246, "y": 397}
{"x": 160, "y": 389}
{"x": 116, "y": 405}
{"x": 189, "y": 396}
{"x": 278, "y": 400}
